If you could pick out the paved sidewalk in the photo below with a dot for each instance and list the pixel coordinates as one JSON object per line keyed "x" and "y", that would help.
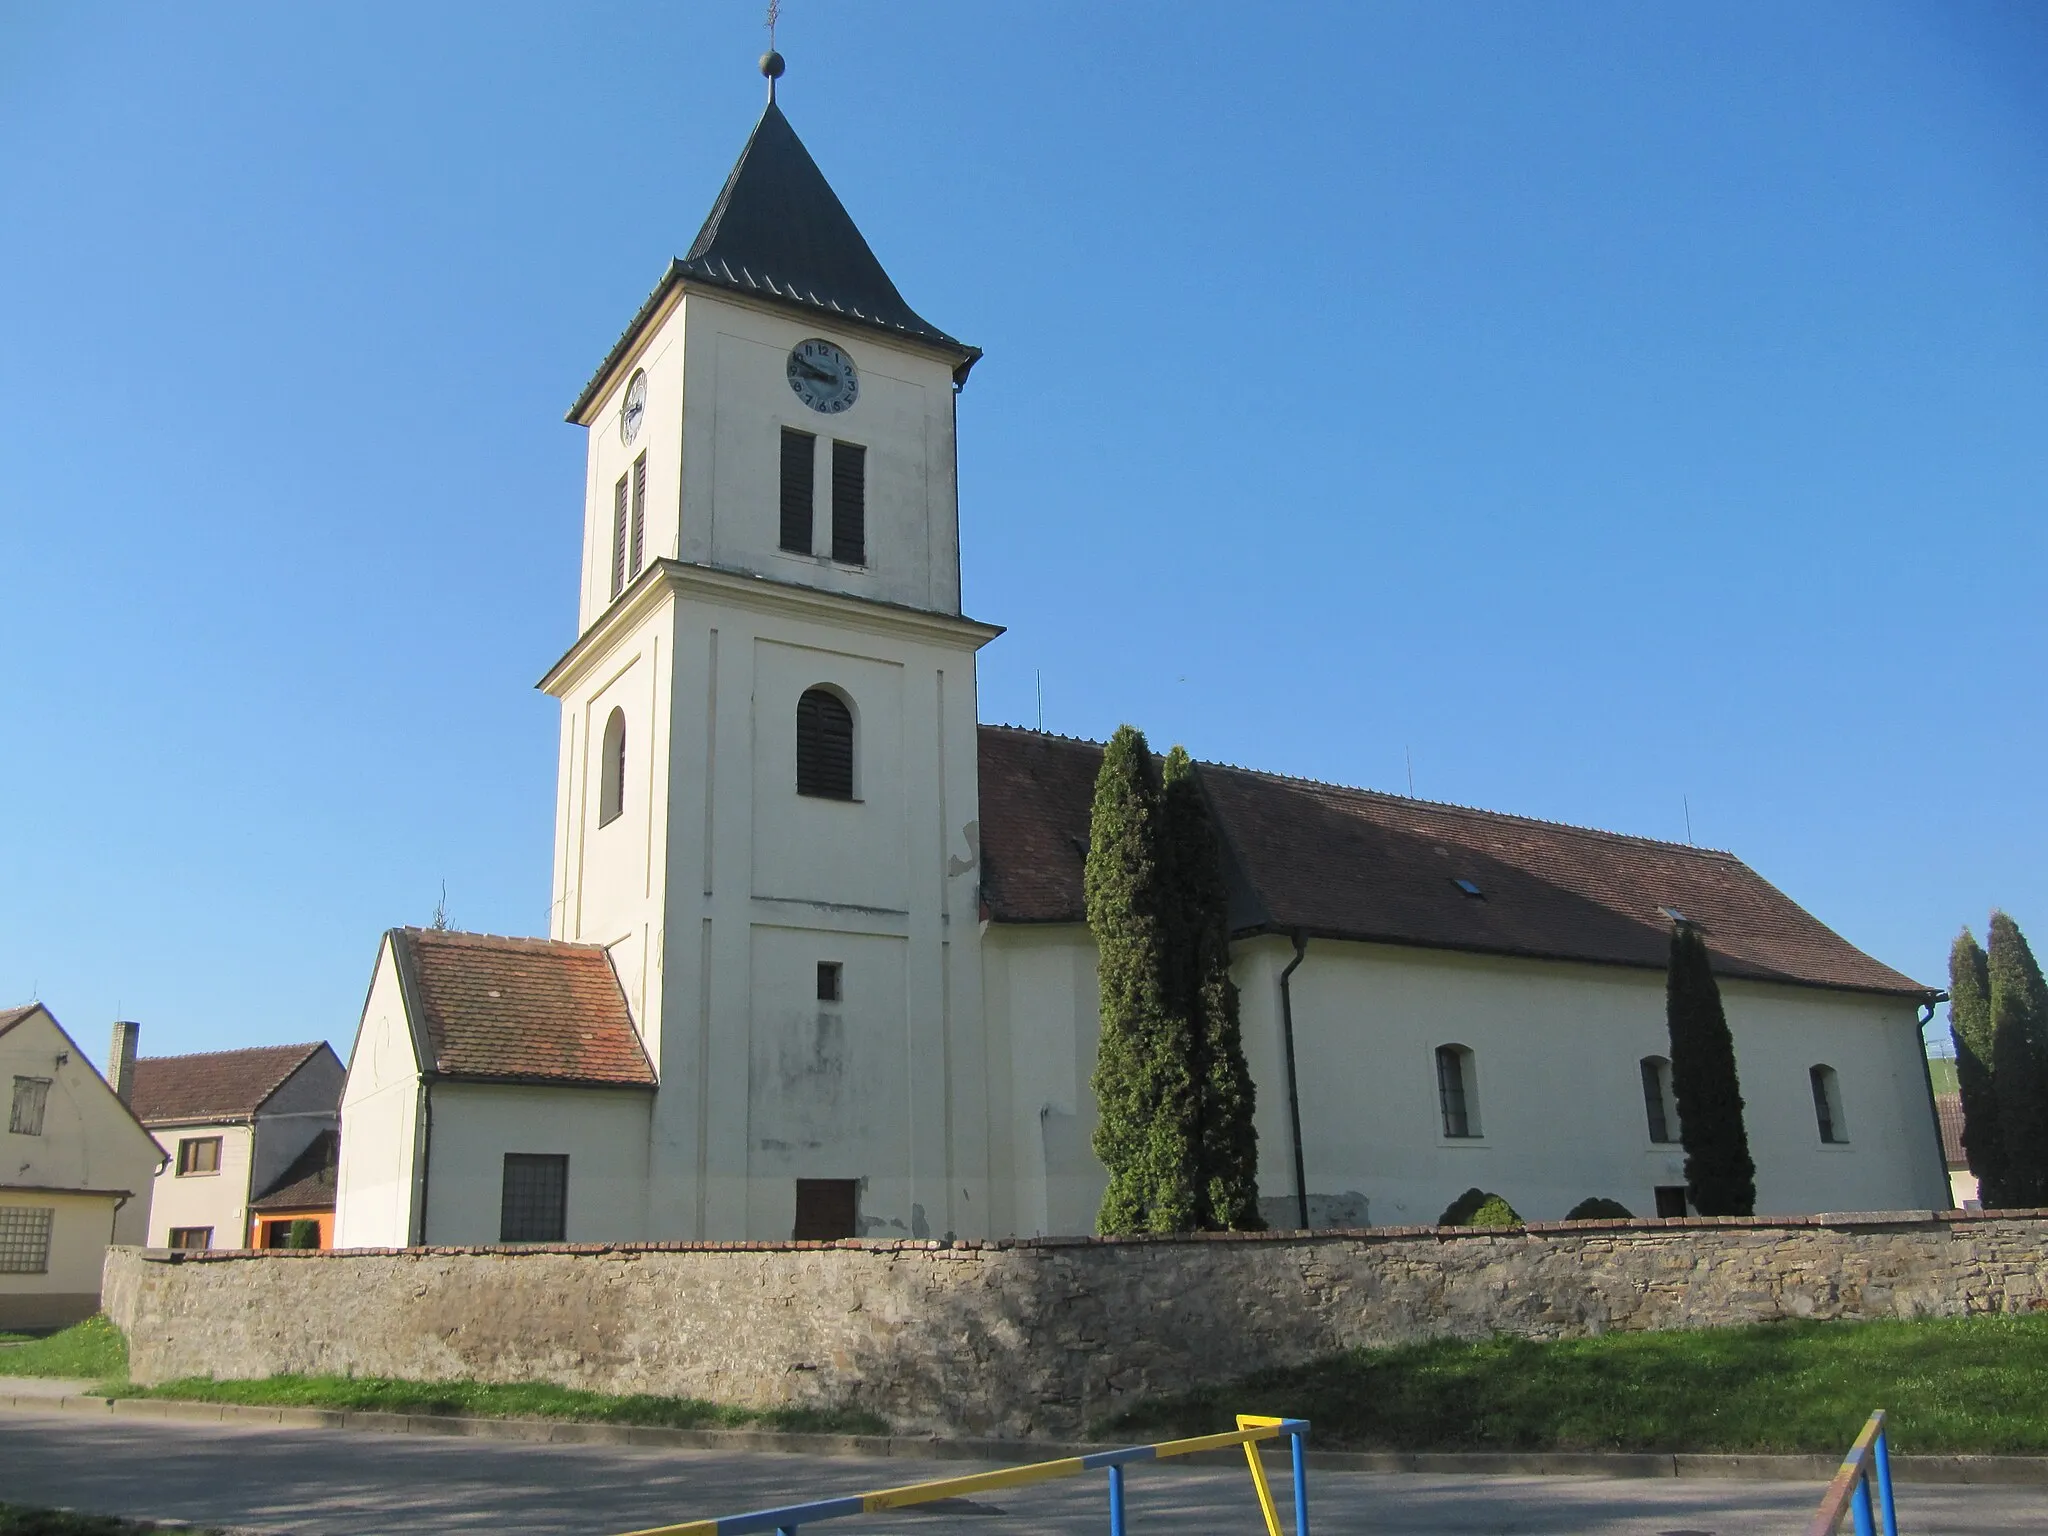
{"x": 330, "y": 1483}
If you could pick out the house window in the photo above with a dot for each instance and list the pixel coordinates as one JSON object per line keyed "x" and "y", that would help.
{"x": 193, "y": 1238}
{"x": 619, "y": 537}
{"x": 799, "y": 489}
{"x": 849, "y": 503}
{"x": 824, "y": 745}
{"x": 1670, "y": 1199}
{"x": 830, "y": 981}
{"x": 535, "y": 1206}
{"x": 198, "y": 1154}
{"x": 637, "y": 543}
{"x": 1658, "y": 1104}
{"x": 31, "y": 1097}
{"x": 611, "y": 769}
{"x": 1827, "y": 1104}
{"x": 1457, "y": 1091}
{"x": 25, "y": 1239}
{"x": 827, "y": 1209}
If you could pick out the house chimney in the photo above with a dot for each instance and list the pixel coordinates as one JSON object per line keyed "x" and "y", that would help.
{"x": 121, "y": 1059}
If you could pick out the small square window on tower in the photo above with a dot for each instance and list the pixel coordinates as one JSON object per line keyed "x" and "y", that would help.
{"x": 830, "y": 976}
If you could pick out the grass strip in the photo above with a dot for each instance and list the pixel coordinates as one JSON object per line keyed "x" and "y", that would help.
{"x": 486, "y": 1400}
{"x": 19, "y": 1520}
{"x": 1968, "y": 1385}
{"x": 92, "y": 1351}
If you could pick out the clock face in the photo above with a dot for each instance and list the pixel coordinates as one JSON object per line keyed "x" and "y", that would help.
{"x": 823, "y": 376}
{"x": 634, "y": 411}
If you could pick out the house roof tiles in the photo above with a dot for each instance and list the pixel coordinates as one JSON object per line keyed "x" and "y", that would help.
{"x": 520, "y": 1010}
{"x": 214, "y": 1085}
{"x": 1334, "y": 862}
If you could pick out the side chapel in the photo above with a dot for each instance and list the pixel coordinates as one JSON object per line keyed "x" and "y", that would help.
{"x": 817, "y": 964}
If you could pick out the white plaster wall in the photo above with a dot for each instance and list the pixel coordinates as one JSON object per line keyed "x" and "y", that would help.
{"x": 1043, "y": 1009}
{"x": 89, "y": 1139}
{"x": 1557, "y": 1049}
{"x": 377, "y": 1181}
{"x": 602, "y": 1131}
{"x": 217, "y": 1200}
{"x": 81, "y": 1226}
{"x": 607, "y": 457}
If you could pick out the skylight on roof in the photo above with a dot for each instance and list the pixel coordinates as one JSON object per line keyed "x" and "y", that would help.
{"x": 1469, "y": 888}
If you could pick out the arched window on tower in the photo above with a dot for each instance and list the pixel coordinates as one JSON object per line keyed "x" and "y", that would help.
{"x": 611, "y": 772}
{"x": 824, "y": 745}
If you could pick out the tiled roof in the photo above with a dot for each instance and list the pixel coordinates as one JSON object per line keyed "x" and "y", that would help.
{"x": 214, "y": 1085}
{"x": 308, "y": 1184}
{"x": 531, "y": 1010}
{"x": 1949, "y": 1107}
{"x": 779, "y": 231}
{"x": 1354, "y": 864}
{"x": 9, "y": 1017}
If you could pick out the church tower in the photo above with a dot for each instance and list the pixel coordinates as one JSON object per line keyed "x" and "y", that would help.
{"x": 767, "y": 796}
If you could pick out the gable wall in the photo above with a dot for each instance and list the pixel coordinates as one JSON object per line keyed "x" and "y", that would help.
{"x": 377, "y": 1183}
{"x": 89, "y": 1139}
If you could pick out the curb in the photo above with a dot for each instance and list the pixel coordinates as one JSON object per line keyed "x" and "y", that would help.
{"x": 1735, "y": 1467}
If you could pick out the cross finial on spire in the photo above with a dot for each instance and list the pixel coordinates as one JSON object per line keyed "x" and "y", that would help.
{"x": 771, "y": 61}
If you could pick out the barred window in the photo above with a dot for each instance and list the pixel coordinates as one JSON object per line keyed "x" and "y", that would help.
{"x": 25, "y": 1238}
{"x": 31, "y": 1096}
{"x": 535, "y": 1204}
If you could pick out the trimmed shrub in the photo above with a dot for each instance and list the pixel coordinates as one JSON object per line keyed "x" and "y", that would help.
{"x": 1969, "y": 1026}
{"x": 305, "y": 1233}
{"x": 1479, "y": 1208}
{"x": 1599, "y": 1208}
{"x": 1718, "y": 1170}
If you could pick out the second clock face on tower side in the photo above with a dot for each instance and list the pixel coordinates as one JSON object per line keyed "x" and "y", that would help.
{"x": 823, "y": 376}
{"x": 635, "y": 409}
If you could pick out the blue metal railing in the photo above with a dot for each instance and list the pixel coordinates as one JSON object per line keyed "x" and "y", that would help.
{"x": 1868, "y": 1465}
{"x": 1251, "y": 1429}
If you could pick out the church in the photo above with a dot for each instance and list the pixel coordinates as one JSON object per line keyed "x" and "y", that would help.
{"x": 817, "y": 965}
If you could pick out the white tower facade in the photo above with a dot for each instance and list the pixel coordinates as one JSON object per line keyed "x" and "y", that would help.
{"x": 767, "y": 797}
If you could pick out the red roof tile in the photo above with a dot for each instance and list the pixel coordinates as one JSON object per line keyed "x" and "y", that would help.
{"x": 1355, "y": 864}
{"x": 214, "y": 1085}
{"x": 534, "y": 1010}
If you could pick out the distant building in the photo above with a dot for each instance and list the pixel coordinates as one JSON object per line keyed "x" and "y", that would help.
{"x": 230, "y": 1123}
{"x": 75, "y": 1172}
{"x": 817, "y": 962}
{"x": 303, "y": 1192}
{"x": 1962, "y": 1183}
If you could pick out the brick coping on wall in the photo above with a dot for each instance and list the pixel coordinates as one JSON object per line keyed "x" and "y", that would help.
{"x": 1647, "y": 1226}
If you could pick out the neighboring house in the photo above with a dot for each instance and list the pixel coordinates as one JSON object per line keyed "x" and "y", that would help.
{"x": 75, "y": 1172}
{"x": 230, "y": 1124}
{"x": 303, "y": 1192}
{"x": 1962, "y": 1183}
{"x": 817, "y": 962}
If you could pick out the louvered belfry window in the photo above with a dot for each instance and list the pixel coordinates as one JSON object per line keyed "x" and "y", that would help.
{"x": 824, "y": 746}
{"x": 611, "y": 769}
{"x": 639, "y": 539}
{"x": 799, "y": 487}
{"x": 849, "y": 503}
{"x": 619, "y": 537}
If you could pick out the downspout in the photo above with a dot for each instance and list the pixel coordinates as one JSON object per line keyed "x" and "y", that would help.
{"x": 426, "y": 1155}
{"x": 1933, "y": 1108}
{"x": 1293, "y": 1090}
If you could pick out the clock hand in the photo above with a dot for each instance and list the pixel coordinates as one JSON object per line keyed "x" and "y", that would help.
{"x": 820, "y": 374}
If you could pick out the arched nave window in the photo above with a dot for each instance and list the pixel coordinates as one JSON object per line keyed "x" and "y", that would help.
{"x": 824, "y": 745}
{"x": 1457, "y": 1090}
{"x": 1658, "y": 1103}
{"x": 1827, "y": 1103}
{"x": 611, "y": 772}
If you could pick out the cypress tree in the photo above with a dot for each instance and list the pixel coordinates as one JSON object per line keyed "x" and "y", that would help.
{"x": 2019, "y": 1037}
{"x": 1145, "y": 1093}
{"x": 1199, "y": 989}
{"x": 1718, "y": 1170}
{"x": 1969, "y": 1025}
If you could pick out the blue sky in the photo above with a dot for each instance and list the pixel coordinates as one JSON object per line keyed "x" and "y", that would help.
{"x": 1604, "y": 407}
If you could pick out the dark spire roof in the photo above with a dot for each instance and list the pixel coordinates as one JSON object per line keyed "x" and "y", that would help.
{"x": 779, "y": 231}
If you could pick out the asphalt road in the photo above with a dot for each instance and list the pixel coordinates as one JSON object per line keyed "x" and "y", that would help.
{"x": 342, "y": 1483}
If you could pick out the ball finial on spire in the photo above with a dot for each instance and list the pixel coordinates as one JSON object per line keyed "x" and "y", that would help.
{"x": 771, "y": 64}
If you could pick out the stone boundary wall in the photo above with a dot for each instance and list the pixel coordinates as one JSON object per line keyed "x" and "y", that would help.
{"x": 1030, "y": 1337}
